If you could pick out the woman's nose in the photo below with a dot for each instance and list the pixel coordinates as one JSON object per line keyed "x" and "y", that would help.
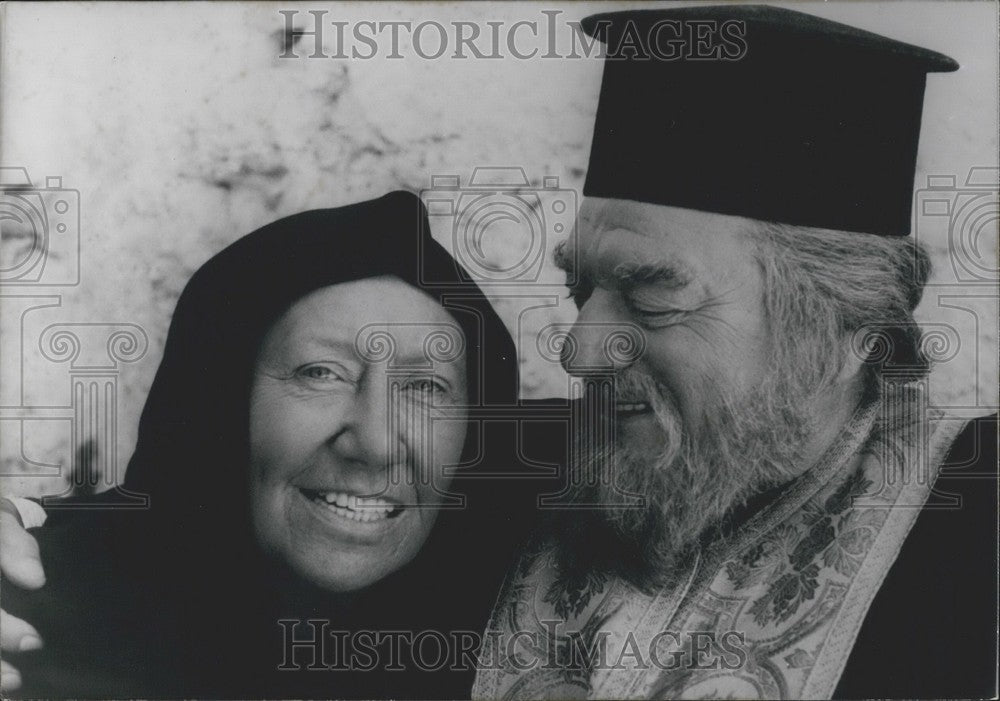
{"x": 601, "y": 340}
{"x": 372, "y": 438}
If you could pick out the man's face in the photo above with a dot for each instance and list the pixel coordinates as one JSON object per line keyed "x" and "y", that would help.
{"x": 701, "y": 408}
{"x": 688, "y": 281}
{"x": 345, "y": 458}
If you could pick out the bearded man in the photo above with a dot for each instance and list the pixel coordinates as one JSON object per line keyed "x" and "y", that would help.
{"x": 746, "y": 284}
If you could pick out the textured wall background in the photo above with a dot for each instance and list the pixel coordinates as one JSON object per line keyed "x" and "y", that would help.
{"x": 182, "y": 130}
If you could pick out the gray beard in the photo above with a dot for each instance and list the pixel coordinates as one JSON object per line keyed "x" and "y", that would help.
{"x": 685, "y": 491}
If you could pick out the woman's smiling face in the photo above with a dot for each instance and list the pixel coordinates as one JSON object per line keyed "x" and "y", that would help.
{"x": 348, "y": 442}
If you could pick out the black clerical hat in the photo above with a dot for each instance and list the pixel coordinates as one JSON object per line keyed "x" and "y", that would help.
{"x": 759, "y": 112}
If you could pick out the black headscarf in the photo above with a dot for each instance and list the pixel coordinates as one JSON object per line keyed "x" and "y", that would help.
{"x": 200, "y": 397}
{"x": 193, "y": 553}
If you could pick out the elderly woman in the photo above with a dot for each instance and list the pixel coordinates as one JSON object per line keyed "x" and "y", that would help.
{"x": 302, "y": 449}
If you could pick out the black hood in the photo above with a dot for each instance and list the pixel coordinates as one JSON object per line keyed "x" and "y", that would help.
{"x": 192, "y": 435}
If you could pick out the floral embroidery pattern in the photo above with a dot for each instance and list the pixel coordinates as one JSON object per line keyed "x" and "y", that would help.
{"x": 569, "y": 595}
{"x": 789, "y": 557}
{"x": 800, "y": 659}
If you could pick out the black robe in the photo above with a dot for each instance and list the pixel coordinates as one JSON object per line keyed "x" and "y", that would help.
{"x": 931, "y": 631}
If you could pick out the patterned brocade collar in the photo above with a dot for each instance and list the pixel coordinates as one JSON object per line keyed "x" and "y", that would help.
{"x": 770, "y": 612}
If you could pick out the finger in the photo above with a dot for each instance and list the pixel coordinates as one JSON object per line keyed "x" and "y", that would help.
{"x": 20, "y": 561}
{"x": 17, "y": 635}
{"x": 10, "y": 678}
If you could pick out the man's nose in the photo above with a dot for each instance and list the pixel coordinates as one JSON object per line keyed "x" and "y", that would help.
{"x": 602, "y": 339}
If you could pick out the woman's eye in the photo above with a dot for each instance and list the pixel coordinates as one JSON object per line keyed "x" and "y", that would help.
{"x": 321, "y": 373}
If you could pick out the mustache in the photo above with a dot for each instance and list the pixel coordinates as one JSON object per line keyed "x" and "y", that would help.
{"x": 601, "y": 444}
{"x": 634, "y": 386}
{"x": 629, "y": 386}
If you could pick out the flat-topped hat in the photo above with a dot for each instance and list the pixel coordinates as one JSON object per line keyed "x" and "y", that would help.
{"x": 760, "y": 112}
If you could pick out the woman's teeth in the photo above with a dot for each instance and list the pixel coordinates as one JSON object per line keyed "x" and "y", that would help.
{"x": 357, "y": 508}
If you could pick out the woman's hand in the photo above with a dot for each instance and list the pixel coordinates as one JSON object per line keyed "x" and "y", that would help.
{"x": 20, "y": 565}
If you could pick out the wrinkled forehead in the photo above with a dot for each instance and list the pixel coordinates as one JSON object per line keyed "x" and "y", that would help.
{"x": 375, "y": 319}
{"x": 612, "y": 233}
{"x": 386, "y": 299}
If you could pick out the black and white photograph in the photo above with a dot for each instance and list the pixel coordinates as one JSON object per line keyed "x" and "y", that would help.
{"x": 515, "y": 350}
